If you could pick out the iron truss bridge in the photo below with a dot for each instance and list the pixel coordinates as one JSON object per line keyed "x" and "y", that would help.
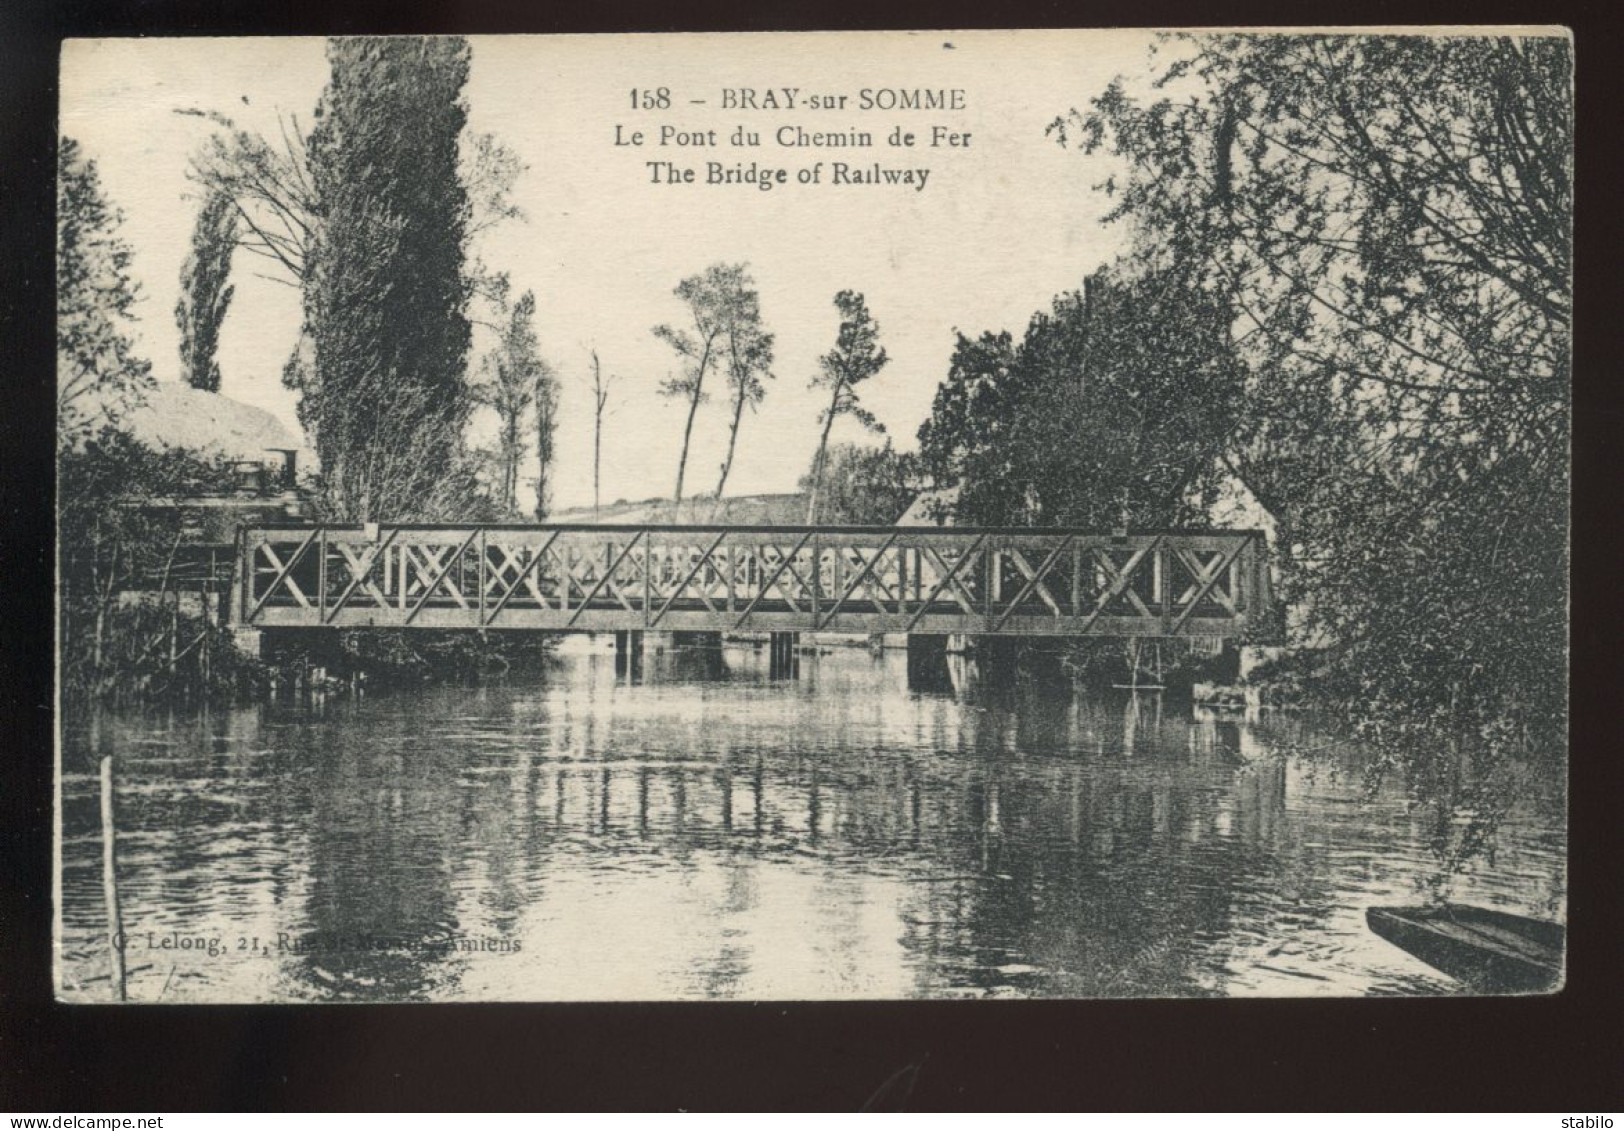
{"x": 588, "y": 578}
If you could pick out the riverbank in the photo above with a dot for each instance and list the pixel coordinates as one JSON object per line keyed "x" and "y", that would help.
{"x": 178, "y": 652}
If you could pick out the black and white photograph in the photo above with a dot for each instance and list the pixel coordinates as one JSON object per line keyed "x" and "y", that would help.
{"x": 813, "y": 516}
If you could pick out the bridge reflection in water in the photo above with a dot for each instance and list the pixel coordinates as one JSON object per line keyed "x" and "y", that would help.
{"x": 718, "y": 833}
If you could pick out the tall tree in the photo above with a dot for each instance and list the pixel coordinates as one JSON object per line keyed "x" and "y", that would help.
{"x": 513, "y": 372}
{"x": 711, "y": 298}
{"x": 1392, "y": 216}
{"x": 545, "y": 392}
{"x": 205, "y": 292}
{"x": 98, "y": 375}
{"x": 856, "y": 357}
{"x": 749, "y": 359}
{"x": 601, "y": 385}
{"x": 385, "y": 291}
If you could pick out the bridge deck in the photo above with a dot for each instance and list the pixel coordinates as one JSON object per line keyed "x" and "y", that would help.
{"x": 1018, "y": 582}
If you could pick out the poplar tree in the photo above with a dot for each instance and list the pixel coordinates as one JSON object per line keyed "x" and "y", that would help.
{"x": 516, "y": 378}
{"x": 857, "y": 356}
{"x": 385, "y": 286}
{"x": 601, "y": 385}
{"x": 545, "y": 392}
{"x": 205, "y": 293}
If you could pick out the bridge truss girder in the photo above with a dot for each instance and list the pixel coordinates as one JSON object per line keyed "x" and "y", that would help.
{"x": 1015, "y": 582}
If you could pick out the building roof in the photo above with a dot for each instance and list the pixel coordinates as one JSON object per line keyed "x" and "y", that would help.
{"x": 931, "y": 508}
{"x": 175, "y": 415}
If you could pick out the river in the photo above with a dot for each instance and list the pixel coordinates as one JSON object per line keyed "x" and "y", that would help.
{"x": 706, "y": 828}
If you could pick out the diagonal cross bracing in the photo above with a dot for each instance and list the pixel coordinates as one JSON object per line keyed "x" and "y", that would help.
{"x": 1041, "y": 582}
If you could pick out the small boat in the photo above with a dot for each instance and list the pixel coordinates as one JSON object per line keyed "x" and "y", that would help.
{"x": 1492, "y": 952}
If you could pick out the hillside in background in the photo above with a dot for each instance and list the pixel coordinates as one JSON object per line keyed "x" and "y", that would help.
{"x": 743, "y": 510}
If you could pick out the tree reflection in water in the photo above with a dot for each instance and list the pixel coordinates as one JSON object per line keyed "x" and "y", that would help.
{"x": 713, "y": 831}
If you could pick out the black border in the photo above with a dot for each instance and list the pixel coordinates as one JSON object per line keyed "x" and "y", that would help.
{"x": 1557, "y": 1053}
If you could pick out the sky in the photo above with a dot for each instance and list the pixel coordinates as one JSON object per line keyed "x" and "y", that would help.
{"x": 1002, "y": 225}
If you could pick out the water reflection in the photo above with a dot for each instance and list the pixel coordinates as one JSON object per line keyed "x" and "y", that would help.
{"x": 712, "y": 829}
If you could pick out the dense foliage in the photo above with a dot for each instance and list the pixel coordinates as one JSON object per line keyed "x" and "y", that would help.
{"x": 1391, "y": 219}
{"x": 98, "y": 373}
{"x": 1111, "y": 411}
{"x": 1349, "y": 290}
{"x": 865, "y": 485}
{"x": 133, "y": 620}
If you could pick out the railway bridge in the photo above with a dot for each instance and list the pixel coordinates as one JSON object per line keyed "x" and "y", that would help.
{"x": 783, "y": 580}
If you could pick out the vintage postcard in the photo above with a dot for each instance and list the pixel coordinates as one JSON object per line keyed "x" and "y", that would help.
{"x": 813, "y": 516}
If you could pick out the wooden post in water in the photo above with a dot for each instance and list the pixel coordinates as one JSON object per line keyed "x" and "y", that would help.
{"x": 115, "y": 917}
{"x": 208, "y": 627}
{"x": 174, "y": 630}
